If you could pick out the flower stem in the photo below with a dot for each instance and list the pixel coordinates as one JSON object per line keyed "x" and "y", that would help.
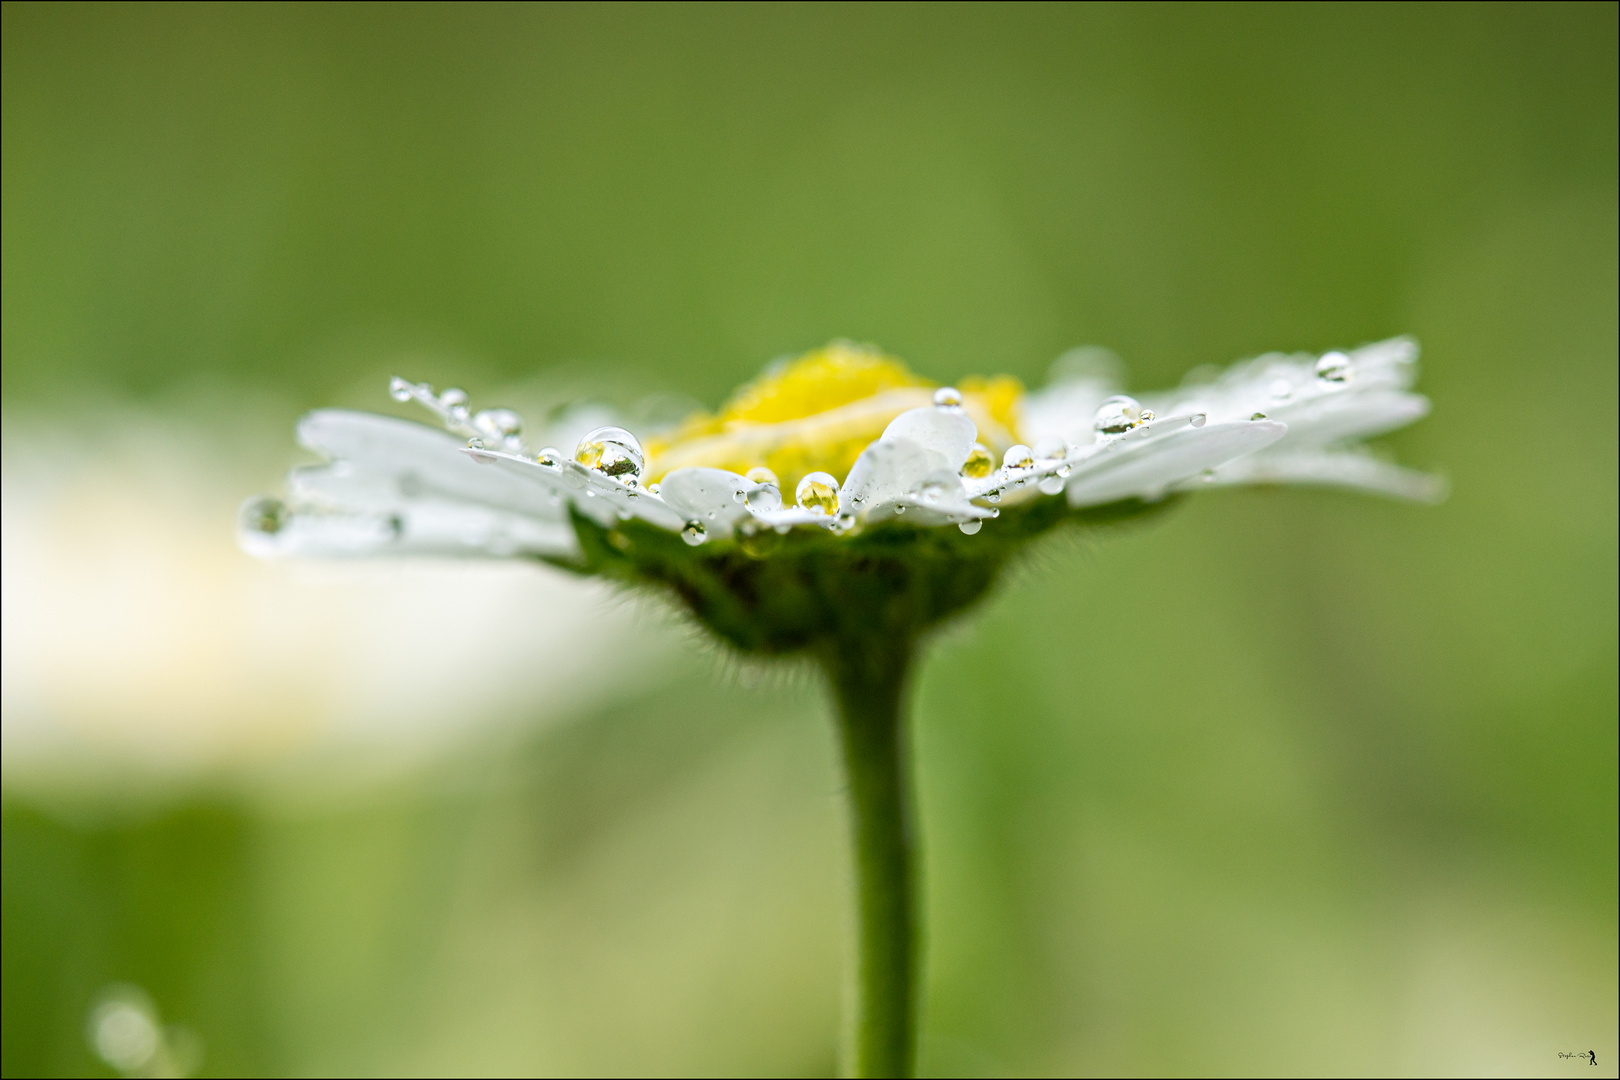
{"x": 869, "y": 682}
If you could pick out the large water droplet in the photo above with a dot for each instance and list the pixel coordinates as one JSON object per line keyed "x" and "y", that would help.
{"x": 948, "y": 397}
{"x": 979, "y": 462}
{"x": 818, "y": 493}
{"x": 498, "y": 424}
{"x": 1334, "y": 367}
{"x": 612, "y": 451}
{"x": 1018, "y": 457}
{"x": 970, "y": 527}
{"x": 399, "y": 388}
{"x": 1117, "y": 415}
{"x": 694, "y": 533}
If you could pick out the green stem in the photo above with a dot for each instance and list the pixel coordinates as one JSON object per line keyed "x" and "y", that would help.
{"x": 869, "y": 686}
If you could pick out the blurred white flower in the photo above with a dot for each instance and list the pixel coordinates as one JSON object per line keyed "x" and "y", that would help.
{"x": 135, "y": 632}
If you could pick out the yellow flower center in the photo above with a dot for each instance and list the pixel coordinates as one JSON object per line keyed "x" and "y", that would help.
{"x": 818, "y": 412}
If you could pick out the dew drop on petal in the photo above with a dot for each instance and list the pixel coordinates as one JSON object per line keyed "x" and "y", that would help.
{"x": 759, "y": 474}
{"x": 1117, "y": 415}
{"x": 549, "y": 455}
{"x": 399, "y": 389}
{"x": 948, "y": 397}
{"x": 453, "y": 397}
{"x": 995, "y": 511}
{"x": 475, "y": 444}
{"x": 1049, "y": 448}
{"x": 900, "y": 508}
{"x": 694, "y": 533}
{"x": 970, "y": 527}
{"x": 764, "y": 498}
{"x": 655, "y": 489}
{"x": 993, "y": 496}
{"x": 1197, "y": 419}
{"x": 1281, "y": 389}
{"x": 1018, "y": 457}
{"x": 817, "y": 493}
{"x": 495, "y": 423}
{"x": 1334, "y": 367}
{"x": 1258, "y": 416}
{"x": 1051, "y": 485}
{"x": 1147, "y": 414}
{"x": 613, "y": 452}
{"x": 978, "y": 463}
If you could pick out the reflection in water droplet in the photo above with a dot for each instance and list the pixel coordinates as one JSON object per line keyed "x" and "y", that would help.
{"x": 1147, "y": 414}
{"x": 475, "y": 443}
{"x": 759, "y": 474}
{"x": 1197, "y": 419}
{"x": 612, "y": 451}
{"x": 1334, "y": 367}
{"x": 1051, "y": 485}
{"x": 993, "y": 496}
{"x": 1117, "y": 415}
{"x": 655, "y": 489}
{"x": 549, "y": 455}
{"x": 948, "y": 397}
{"x": 1258, "y": 416}
{"x": 995, "y": 512}
{"x": 694, "y": 533}
{"x": 970, "y": 527}
{"x": 1018, "y": 457}
{"x": 758, "y": 542}
{"x": 265, "y": 516}
{"x": 764, "y": 499}
{"x": 399, "y": 388}
{"x": 818, "y": 493}
{"x": 900, "y": 508}
{"x": 978, "y": 463}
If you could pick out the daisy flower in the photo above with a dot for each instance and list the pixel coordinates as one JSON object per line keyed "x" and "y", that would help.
{"x": 838, "y": 506}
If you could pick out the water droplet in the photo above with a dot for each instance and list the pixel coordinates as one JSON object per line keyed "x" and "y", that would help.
{"x": 613, "y": 452}
{"x": 900, "y": 508}
{"x": 995, "y": 511}
{"x": 1258, "y": 416}
{"x": 549, "y": 455}
{"x": 1334, "y": 367}
{"x": 1147, "y": 414}
{"x": 765, "y": 498}
{"x": 948, "y": 397}
{"x": 978, "y": 463}
{"x": 970, "y": 527}
{"x": 739, "y": 495}
{"x": 933, "y": 491}
{"x": 655, "y": 489}
{"x": 475, "y": 444}
{"x": 757, "y": 542}
{"x": 498, "y": 424}
{"x": 818, "y": 493}
{"x": 1197, "y": 419}
{"x": 1051, "y": 485}
{"x": 759, "y": 474}
{"x": 994, "y": 496}
{"x": 399, "y": 388}
{"x": 453, "y": 397}
{"x": 265, "y": 516}
{"x": 1117, "y": 415}
{"x": 1281, "y": 389}
{"x": 1018, "y": 457}
{"x": 694, "y": 533}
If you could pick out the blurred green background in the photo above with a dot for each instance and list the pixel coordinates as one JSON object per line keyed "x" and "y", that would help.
{"x": 1286, "y": 781}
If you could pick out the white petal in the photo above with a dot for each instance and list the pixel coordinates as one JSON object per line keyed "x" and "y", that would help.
{"x": 1146, "y": 467}
{"x": 713, "y": 497}
{"x": 1350, "y": 416}
{"x": 420, "y": 529}
{"x": 1359, "y": 471}
{"x": 950, "y": 433}
{"x": 886, "y": 470}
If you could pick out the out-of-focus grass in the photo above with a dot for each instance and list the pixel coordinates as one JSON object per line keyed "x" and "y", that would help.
{"x": 1287, "y": 781}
